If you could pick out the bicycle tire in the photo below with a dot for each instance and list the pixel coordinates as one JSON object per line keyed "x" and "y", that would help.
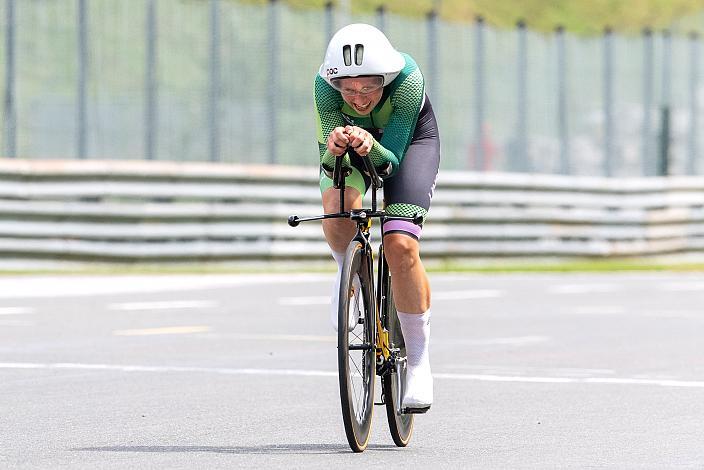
{"x": 357, "y": 367}
{"x": 400, "y": 424}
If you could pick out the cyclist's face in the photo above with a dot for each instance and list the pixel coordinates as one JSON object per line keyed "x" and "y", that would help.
{"x": 361, "y": 93}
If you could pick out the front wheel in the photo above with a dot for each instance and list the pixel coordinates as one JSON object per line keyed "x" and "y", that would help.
{"x": 356, "y": 347}
{"x": 400, "y": 424}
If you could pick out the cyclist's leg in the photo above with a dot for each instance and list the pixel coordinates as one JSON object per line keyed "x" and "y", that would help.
{"x": 412, "y": 298}
{"x": 407, "y": 193}
{"x": 412, "y": 301}
{"x": 339, "y": 232}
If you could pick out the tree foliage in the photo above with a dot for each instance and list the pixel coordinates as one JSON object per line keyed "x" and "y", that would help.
{"x": 586, "y": 17}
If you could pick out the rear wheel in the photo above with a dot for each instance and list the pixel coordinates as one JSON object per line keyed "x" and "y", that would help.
{"x": 400, "y": 425}
{"x": 356, "y": 347}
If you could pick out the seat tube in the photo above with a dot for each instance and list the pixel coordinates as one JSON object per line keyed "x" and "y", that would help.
{"x": 382, "y": 276}
{"x": 342, "y": 196}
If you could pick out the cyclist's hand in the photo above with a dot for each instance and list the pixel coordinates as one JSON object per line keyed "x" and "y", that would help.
{"x": 338, "y": 141}
{"x": 360, "y": 140}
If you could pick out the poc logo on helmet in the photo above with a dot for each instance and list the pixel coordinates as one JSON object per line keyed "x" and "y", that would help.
{"x": 331, "y": 71}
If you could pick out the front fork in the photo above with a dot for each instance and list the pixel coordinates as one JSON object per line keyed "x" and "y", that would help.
{"x": 383, "y": 352}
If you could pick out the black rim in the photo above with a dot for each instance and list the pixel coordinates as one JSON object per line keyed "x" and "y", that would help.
{"x": 356, "y": 354}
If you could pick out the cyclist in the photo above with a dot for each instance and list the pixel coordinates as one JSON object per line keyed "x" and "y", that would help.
{"x": 371, "y": 103}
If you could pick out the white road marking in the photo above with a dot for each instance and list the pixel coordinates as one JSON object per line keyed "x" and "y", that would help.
{"x": 447, "y": 295}
{"x": 16, "y": 311}
{"x": 169, "y": 330}
{"x": 515, "y": 341}
{"x": 87, "y": 286}
{"x": 17, "y": 323}
{"x": 71, "y": 286}
{"x": 597, "y": 310}
{"x": 683, "y": 286}
{"x": 136, "y": 368}
{"x": 573, "y": 380}
{"x": 686, "y": 314}
{"x": 618, "y": 310}
{"x": 304, "y": 301}
{"x": 164, "y": 305}
{"x": 306, "y": 338}
{"x": 467, "y": 294}
{"x": 581, "y": 288}
{"x": 523, "y": 370}
{"x": 326, "y": 373}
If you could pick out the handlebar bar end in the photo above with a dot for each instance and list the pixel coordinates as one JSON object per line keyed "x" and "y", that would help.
{"x": 293, "y": 221}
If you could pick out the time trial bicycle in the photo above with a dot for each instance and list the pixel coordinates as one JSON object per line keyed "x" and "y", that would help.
{"x": 375, "y": 345}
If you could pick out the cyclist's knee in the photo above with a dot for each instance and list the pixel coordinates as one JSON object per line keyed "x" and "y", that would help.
{"x": 402, "y": 251}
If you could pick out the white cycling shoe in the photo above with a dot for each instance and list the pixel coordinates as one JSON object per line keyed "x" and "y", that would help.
{"x": 353, "y": 318}
{"x": 418, "y": 393}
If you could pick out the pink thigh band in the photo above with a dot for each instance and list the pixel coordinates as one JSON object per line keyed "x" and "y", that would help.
{"x": 402, "y": 226}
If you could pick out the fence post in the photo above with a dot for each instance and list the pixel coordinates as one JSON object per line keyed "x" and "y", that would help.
{"x": 433, "y": 52}
{"x": 693, "y": 103}
{"x": 663, "y": 167}
{"x": 664, "y": 147}
{"x": 81, "y": 104}
{"x": 381, "y": 18}
{"x": 521, "y": 162}
{"x": 150, "y": 86}
{"x": 345, "y": 11}
{"x": 214, "y": 85}
{"x": 562, "y": 112}
{"x": 274, "y": 88}
{"x": 608, "y": 103}
{"x": 479, "y": 162}
{"x": 329, "y": 21}
{"x": 9, "y": 107}
{"x": 647, "y": 140}
{"x": 666, "y": 68}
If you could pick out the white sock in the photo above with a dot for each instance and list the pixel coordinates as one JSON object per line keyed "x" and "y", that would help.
{"x": 416, "y": 334}
{"x": 340, "y": 258}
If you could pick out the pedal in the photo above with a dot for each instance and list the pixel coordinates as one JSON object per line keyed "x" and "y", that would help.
{"x": 415, "y": 411}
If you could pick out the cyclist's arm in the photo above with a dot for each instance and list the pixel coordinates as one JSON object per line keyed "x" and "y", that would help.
{"x": 328, "y": 104}
{"x": 407, "y": 101}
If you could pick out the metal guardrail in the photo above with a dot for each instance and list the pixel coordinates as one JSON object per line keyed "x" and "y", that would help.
{"x": 157, "y": 211}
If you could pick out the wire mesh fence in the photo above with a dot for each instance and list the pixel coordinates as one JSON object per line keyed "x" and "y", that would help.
{"x": 223, "y": 81}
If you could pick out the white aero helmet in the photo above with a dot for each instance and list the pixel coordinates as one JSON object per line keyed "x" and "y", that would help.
{"x": 361, "y": 49}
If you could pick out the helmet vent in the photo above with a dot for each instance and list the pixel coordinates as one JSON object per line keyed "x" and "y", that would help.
{"x": 347, "y": 54}
{"x": 358, "y": 54}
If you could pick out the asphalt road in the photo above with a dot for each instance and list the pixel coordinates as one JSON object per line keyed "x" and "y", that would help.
{"x": 531, "y": 371}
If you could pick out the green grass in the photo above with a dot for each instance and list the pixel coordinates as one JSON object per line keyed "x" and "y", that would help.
{"x": 486, "y": 265}
{"x": 577, "y": 16}
{"x": 569, "y": 266}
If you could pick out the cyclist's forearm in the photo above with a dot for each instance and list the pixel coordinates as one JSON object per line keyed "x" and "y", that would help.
{"x": 328, "y": 159}
{"x": 382, "y": 156}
